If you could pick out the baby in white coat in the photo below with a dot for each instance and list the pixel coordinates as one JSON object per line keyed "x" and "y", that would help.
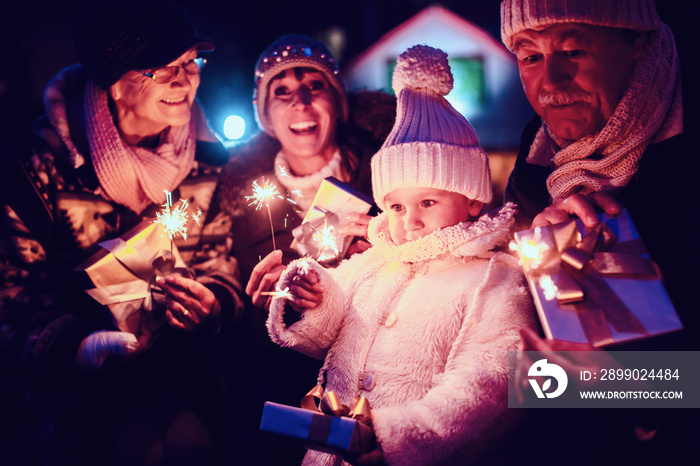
{"x": 422, "y": 322}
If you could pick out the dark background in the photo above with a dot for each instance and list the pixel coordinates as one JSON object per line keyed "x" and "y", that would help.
{"x": 35, "y": 44}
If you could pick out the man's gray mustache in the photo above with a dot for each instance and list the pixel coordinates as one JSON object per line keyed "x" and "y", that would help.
{"x": 563, "y": 98}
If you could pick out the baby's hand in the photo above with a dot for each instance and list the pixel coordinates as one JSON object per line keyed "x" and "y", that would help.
{"x": 306, "y": 290}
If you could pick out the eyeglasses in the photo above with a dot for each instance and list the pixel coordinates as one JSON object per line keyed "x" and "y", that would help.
{"x": 168, "y": 74}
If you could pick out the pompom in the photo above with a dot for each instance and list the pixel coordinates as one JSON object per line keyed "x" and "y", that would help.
{"x": 423, "y": 67}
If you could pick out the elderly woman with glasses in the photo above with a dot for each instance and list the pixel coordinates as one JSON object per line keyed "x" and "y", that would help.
{"x": 122, "y": 135}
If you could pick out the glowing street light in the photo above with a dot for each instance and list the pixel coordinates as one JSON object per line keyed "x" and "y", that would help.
{"x": 234, "y": 127}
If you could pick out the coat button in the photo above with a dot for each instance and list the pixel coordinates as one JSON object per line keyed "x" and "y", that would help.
{"x": 368, "y": 382}
{"x": 390, "y": 320}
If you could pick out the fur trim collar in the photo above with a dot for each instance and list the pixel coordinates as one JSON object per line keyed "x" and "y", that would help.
{"x": 467, "y": 239}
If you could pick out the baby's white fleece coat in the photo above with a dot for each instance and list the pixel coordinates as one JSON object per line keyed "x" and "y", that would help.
{"x": 440, "y": 370}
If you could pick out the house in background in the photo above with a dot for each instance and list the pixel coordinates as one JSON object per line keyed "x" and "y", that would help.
{"x": 487, "y": 88}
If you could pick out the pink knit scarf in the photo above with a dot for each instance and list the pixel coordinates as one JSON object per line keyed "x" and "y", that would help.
{"x": 649, "y": 111}
{"x": 135, "y": 176}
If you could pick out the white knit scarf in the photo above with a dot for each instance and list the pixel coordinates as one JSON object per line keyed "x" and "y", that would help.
{"x": 465, "y": 239}
{"x": 135, "y": 176}
{"x": 305, "y": 187}
{"x": 649, "y": 111}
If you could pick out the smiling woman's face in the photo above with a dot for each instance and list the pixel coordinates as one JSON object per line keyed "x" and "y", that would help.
{"x": 147, "y": 108}
{"x": 303, "y": 113}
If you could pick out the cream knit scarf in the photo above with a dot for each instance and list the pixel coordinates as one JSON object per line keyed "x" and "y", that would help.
{"x": 649, "y": 111}
{"x": 303, "y": 189}
{"x": 466, "y": 239}
{"x": 135, "y": 176}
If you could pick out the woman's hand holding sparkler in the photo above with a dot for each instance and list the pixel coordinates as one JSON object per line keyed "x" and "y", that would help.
{"x": 189, "y": 303}
{"x": 264, "y": 277}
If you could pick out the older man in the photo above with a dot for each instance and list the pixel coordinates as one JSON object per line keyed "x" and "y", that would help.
{"x": 604, "y": 79}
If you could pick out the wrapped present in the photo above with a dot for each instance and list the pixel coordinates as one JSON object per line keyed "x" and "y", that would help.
{"x": 595, "y": 286}
{"x": 319, "y": 234}
{"x": 328, "y": 426}
{"x": 122, "y": 274}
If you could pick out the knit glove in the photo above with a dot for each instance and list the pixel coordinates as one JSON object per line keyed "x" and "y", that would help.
{"x": 98, "y": 346}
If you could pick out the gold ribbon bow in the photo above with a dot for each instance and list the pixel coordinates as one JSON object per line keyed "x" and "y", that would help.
{"x": 577, "y": 263}
{"x": 329, "y": 403}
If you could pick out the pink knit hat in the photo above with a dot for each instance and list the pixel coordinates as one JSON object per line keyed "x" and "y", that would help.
{"x": 431, "y": 144}
{"x": 518, "y": 15}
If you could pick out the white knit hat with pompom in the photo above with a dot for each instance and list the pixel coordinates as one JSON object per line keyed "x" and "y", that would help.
{"x": 431, "y": 144}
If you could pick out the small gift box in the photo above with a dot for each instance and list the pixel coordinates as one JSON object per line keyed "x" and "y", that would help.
{"x": 319, "y": 234}
{"x": 330, "y": 427}
{"x": 121, "y": 275}
{"x": 595, "y": 286}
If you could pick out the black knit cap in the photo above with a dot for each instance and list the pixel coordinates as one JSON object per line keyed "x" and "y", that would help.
{"x": 112, "y": 37}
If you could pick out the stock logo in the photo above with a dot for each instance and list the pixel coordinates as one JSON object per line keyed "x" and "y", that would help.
{"x": 544, "y": 369}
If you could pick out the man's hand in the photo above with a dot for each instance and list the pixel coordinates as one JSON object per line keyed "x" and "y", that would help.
{"x": 577, "y": 205}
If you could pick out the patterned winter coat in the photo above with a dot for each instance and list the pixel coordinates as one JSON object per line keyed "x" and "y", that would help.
{"x": 423, "y": 331}
{"x": 53, "y": 218}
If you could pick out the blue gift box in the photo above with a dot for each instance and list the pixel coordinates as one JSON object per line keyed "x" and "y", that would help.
{"x": 318, "y": 431}
{"x": 642, "y": 305}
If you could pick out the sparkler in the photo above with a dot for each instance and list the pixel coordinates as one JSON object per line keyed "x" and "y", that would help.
{"x": 302, "y": 267}
{"x": 325, "y": 237}
{"x": 531, "y": 252}
{"x": 279, "y": 293}
{"x": 283, "y": 171}
{"x": 175, "y": 219}
{"x": 262, "y": 196}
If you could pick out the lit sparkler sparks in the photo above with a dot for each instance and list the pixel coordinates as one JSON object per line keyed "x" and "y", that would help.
{"x": 175, "y": 219}
{"x": 531, "y": 251}
{"x": 282, "y": 171}
{"x": 279, "y": 293}
{"x": 303, "y": 266}
{"x": 262, "y": 196}
{"x": 325, "y": 237}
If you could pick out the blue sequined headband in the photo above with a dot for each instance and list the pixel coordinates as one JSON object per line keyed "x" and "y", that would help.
{"x": 293, "y": 51}
{"x": 288, "y": 52}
